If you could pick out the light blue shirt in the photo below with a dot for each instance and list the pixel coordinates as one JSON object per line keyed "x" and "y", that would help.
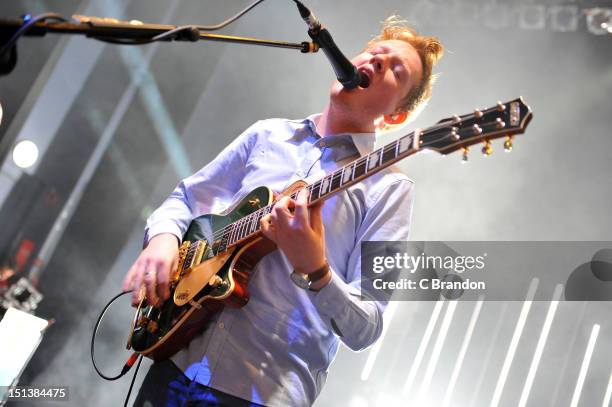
{"x": 277, "y": 349}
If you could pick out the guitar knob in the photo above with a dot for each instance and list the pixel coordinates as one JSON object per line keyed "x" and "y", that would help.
{"x": 487, "y": 149}
{"x": 464, "y": 158}
{"x": 508, "y": 144}
{"x": 152, "y": 326}
{"x": 215, "y": 281}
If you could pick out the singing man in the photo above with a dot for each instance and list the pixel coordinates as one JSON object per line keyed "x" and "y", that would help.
{"x": 276, "y": 350}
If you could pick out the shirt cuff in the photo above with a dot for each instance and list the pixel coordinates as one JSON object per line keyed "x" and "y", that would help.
{"x": 333, "y": 299}
{"x": 163, "y": 227}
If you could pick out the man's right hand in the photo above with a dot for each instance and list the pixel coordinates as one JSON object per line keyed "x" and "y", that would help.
{"x": 150, "y": 273}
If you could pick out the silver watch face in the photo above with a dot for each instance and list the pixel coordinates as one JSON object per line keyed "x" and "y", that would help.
{"x": 301, "y": 280}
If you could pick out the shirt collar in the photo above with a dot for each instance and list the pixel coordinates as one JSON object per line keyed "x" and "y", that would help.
{"x": 364, "y": 142}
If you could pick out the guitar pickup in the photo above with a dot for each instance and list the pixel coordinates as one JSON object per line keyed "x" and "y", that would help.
{"x": 194, "y": 254}
{"x": 197, "y": 258}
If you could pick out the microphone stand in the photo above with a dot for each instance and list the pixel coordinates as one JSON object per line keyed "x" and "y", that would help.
{"x": 123, "y": 33}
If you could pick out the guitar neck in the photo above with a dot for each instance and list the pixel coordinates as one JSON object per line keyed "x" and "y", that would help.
{"x": 362, "y": 168}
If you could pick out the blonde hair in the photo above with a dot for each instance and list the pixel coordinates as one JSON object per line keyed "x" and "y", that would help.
{"x": 429, "y": 49}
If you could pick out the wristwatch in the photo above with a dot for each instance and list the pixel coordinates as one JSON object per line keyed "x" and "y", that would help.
{"x": 304, "y": 281}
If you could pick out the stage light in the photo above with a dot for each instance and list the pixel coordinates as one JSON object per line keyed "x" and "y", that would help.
{"x": 532, "y": 17}
{"x": 585, "y": 365}
{"x": 564, "y": 18}
{"x": 599, "y": 20}
{"x": 25, "y": 154}
{"x": 358, "y": 401}
{"x": 388, "y": 400}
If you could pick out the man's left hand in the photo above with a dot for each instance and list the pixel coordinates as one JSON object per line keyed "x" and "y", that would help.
{"x": 299, "y": 233}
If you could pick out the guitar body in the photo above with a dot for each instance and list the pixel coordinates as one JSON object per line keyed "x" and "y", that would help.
{"x": 204, "y": 282}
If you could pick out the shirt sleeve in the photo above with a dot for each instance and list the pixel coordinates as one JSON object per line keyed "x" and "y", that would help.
{"x": 208, "y": 190}
{"x": 357, "y": 323}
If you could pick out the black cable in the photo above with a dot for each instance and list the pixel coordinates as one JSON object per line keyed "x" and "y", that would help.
{"x": 193, "y": 30}
{"x": 229, "y": 20}
{"x": 130, "y": 362}
{"x": 27, "y": 25}
{"x": 127, "y": 398}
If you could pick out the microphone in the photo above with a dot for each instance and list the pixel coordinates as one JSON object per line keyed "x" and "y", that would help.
{"x": 346, "y": 73}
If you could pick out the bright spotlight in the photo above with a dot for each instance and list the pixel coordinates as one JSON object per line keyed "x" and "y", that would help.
{"x": 599, "y": 20}
{"x": 25, "y": 154}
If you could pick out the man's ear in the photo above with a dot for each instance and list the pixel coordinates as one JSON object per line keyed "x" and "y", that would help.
{"x": 395, "y": 118}
{"x": 390, "y": 122}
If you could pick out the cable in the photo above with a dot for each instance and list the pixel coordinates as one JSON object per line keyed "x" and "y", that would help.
{"x": 27, "y": 25}
{"x": 127, "y": 398}
{"x": 132, "y": 358}
{"x": 130, "y": 362}
{"x": 229, "y": 20}
{"x": 192, "y": 30}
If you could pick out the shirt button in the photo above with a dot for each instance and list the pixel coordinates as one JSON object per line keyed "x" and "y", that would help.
{"x": 322, "y": 144}
{"x": 221, "y": 325}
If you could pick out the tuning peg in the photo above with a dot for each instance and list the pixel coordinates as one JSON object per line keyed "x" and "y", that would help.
{"x": 500, "y": 106}
{"x": 455, "y": 133}
{"x": 499, "y": 124}
{"x": 477, "y": 113}
{"x": 487, "y": 149}
{"x": 456, "y": 119}
{"x": 508, "y": 144}
{"x": 477, "y": 130}
{"x": 464, "y": 158}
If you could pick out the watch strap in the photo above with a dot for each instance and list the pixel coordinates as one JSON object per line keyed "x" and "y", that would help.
{"x": 319, "y": 274}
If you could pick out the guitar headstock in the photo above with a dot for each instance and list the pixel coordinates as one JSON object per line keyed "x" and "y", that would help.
{"x": 460, "y": 132}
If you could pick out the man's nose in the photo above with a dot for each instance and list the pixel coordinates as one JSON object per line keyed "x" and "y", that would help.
{"x": 379, "y": 62}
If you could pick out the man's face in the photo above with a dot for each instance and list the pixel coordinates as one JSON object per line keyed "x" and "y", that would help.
{"x": 393, "y": 68}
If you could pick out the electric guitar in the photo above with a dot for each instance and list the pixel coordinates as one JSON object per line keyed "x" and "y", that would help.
{"x": 219, "y": 251}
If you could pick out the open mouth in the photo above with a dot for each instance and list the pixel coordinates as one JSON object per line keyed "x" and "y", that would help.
{"x": 364, "y": 77}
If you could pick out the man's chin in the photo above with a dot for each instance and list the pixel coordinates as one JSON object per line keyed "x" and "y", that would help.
{"x": 342, "y": 95}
